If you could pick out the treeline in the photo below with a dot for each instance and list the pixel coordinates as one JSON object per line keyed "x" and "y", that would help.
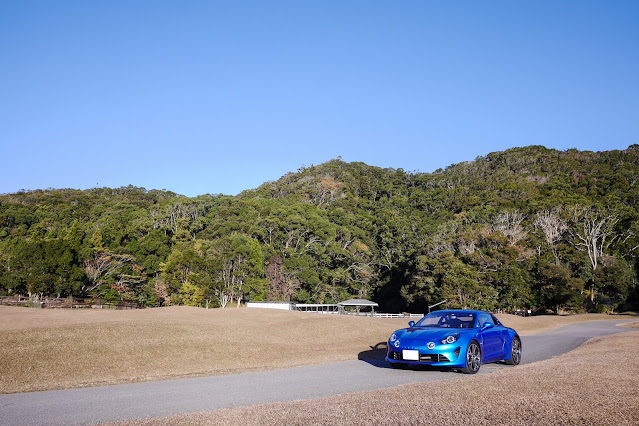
{"x": 524, "y": 228}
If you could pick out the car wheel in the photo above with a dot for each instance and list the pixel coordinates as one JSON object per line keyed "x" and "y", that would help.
{"x": 515, "y": 352}
{"x": 473, "y": 358}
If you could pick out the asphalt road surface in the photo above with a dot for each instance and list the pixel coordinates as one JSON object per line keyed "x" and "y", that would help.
{"x": 165, "y": 398}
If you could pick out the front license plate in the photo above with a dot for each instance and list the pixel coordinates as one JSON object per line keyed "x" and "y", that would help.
{"x": 410, "y": 355}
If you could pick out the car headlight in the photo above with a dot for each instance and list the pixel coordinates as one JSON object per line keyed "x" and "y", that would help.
{"x": 450, "y": 339}
{"x": 396, "y": 344}
{"x": 393, "y": 337}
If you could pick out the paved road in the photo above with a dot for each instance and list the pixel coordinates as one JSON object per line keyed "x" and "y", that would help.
{"x": 157, "y": 399}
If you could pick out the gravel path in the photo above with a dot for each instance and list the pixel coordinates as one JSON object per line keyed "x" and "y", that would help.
{"x": 164, "y": 398}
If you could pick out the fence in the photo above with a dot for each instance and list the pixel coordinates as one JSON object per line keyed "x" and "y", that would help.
{"x": 66, "y": 303}
{"x": 369, "y": 314}
{"x": 378, "y": 315}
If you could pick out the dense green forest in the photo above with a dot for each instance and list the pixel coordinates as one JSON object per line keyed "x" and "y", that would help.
{"x": 529, "y": 227}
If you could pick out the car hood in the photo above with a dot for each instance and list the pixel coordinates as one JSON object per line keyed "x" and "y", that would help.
{"x": 425, "y": 334}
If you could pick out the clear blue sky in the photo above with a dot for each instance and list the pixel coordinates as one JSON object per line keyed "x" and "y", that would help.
{"x": 216, "y": 97}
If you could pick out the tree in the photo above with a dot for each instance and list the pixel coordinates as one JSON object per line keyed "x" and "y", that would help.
{"x": 240, "y": 268}
{"x": 327, "y": 190}
{"x": 592, "y": 230}
{"x": 557, "y": 288}
{"x": 281, "y": 285}
{"x": 462, "y": 287}
{"x": 192, "y": 295}
{"x": 509, "y": 224}
{"x": 190, "y": 265}
{"x": 553, "y": 227}
{"x": 105, "y": 265}
{"x": 614, "y": 278}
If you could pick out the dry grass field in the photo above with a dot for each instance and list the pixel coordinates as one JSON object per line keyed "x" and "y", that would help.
{"x": 55, "y": 349}
{"x": 43, "y": 349}
{"x": 588, "y": 386}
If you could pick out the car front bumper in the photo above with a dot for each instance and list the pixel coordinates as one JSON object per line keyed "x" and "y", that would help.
{"x": 442, "y": 355}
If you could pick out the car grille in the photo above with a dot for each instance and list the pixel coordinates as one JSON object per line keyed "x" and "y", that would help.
{"x": 433, "y": 358}
{"x": 397, "y": 356}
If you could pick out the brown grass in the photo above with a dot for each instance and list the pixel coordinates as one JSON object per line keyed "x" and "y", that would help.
{"x": 597, "y": 383}
{"x": 53, "y": 349}
{"x": 538, "y": 324}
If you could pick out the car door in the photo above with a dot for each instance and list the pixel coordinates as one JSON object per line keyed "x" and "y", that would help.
{"x": 493, "y": 338}
{"x": 503, "y": 337}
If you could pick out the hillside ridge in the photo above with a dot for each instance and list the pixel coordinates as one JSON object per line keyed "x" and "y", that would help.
{"x": 526, "y": 227}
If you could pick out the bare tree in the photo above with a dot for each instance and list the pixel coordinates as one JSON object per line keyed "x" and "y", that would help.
{"x": 592, "y": 231}
{"x": 225, "y": 292}
{"x": 282, "y": 285}
{"x": 103, "y": 265}
{"x": 222, "y": 297}
{"x": 233, "y": 275}
{"x": 161, "y": 289}
{"x": 553, "y": 227}
{"x": 326, "y": 191}
{"x": 180, "y": 217}
{"x": 509, "y": 224}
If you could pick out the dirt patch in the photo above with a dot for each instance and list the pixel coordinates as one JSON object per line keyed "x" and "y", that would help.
{"x": 630, "y": 325}
{"x": 585, "y": 386}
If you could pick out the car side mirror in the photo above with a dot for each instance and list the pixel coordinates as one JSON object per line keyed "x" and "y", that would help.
{"x": 487, "y": 325}
{"x": 411, "y": 323}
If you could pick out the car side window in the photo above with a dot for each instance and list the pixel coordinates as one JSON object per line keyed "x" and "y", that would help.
{"x": 495, "y": 320}
{"x": 484, "y": 318}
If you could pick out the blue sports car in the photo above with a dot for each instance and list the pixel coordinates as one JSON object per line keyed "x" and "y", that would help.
{"x": 459, "y": 339}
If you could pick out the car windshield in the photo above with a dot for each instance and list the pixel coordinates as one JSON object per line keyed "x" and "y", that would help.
{"x": 448, "y": 320}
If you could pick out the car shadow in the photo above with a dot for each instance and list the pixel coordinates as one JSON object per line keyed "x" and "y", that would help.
{"x": 376, "y": 357}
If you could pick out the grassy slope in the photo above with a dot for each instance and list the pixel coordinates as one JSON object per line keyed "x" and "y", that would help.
{"x": 54, "y": 349}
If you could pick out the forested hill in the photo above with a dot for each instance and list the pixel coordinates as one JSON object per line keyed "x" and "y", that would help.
{"x": 524, "y": 228}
